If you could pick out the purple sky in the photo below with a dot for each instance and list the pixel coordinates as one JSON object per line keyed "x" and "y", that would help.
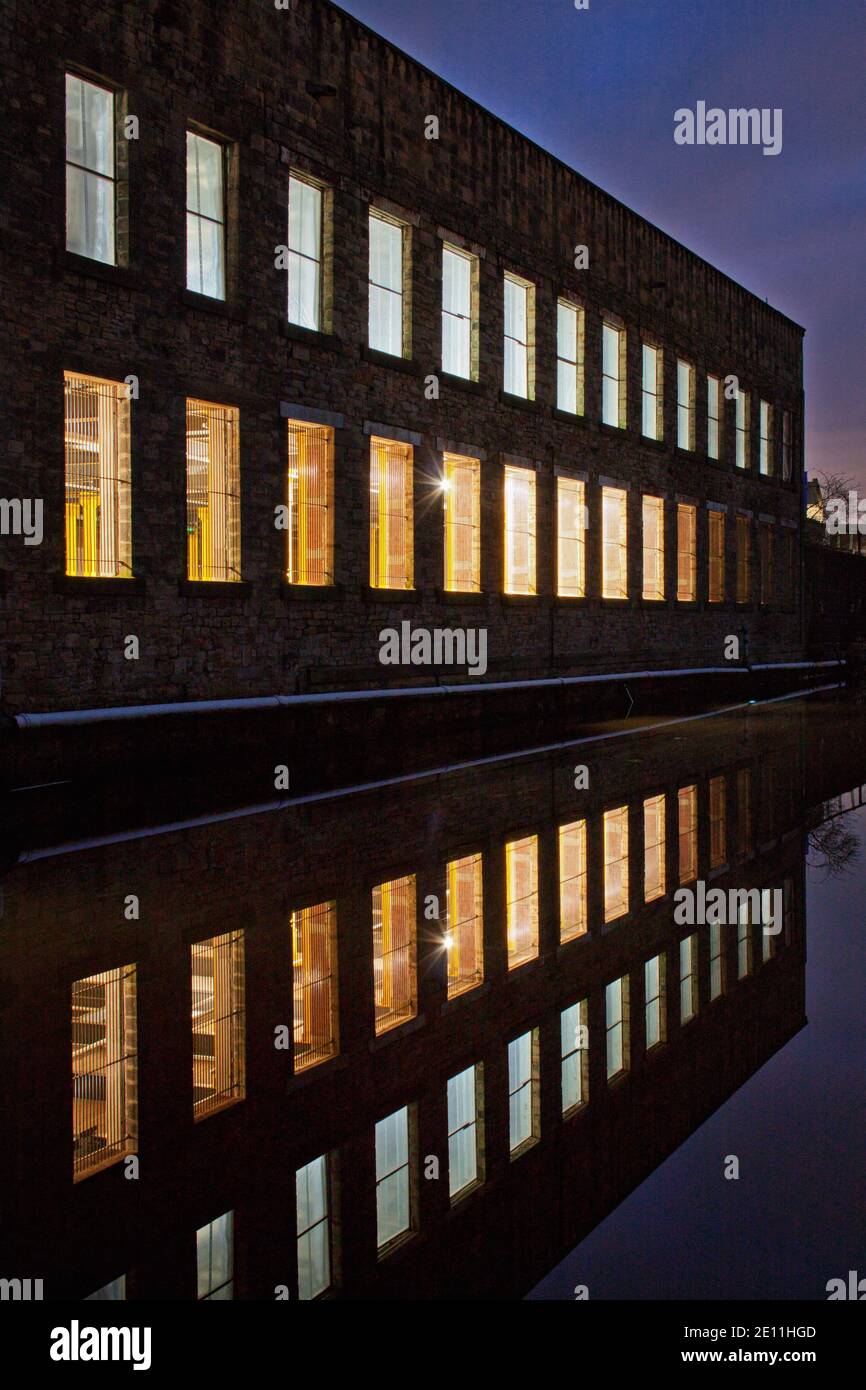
{"x": 598, "y": 88}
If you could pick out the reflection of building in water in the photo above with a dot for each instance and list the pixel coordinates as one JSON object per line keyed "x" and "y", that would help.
{"x": 319, "y": 1010}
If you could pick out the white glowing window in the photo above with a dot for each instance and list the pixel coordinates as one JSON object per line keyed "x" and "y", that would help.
{"x": 90, "y": 170}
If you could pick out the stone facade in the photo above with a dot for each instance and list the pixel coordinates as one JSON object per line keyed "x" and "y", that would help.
{"x": 308, "y": 88}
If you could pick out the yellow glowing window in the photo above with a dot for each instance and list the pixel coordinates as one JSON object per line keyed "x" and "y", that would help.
{"x": 392, "y": 558}
{"x": 98, "y": 523}
{"x": 212, "y": 492}
{"x": 519, "y": 531}
{"x": 572, "y": 881}
{"x": 521, "y": 900}
{"x": 310, "y": 504}
{"x": 766, "y": 557}
{"x": 615, "y": 863}
{"x": 464, "y": 931}
{"x": 104, "y": 1078}
{"x": 687, "y": 808}
{"x": 744, "y": 559}
{"x": 718, "y": 822}
{"x": 219, "y": 1054}
{"x": 394, "y": 952}
{"x": 653, "y": 548}
{"x": 314, "y": 984}
{"x": 570, "y": 538}
{"x": 654, "y": 848}
{"x": 687, "y": 566}
{"x": 716, "y": 589}
{"x": 614, "y": 537}
{"x": 462, "y": 488}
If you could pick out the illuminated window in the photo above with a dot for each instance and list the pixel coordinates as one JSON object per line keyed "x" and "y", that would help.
{"x": 687, "y": 559}
{"x": 310, "y": 504}
{"x": 615, "y": 863}
{"x": 212, "y": 492}
{"x": 718, "y": 822}
{"x": 787, "y": 446}
{"x": 744, "y": 559}
{"x": 459, "y": 313}
{"x": 685, "y": 405}
{"x": 97, "y": 473}
{"x": 464, "y": 929}
{"x": 104, "y": 1069}
{"x": 523, "y": 1110}
{"x": 765, "y": 456}
{"x": 652, "y": 399}
{"x": 654, "y": 848}
{"x": 219, "y": 1053}
{"x": 717, "y": 961}
{"x": 385, "y": 284}
{"x": 114, "y": 1292}
{"x": 205, "y": 216}
{"x": 570, "y": 538}
{"x": 394, "y": 947}
{"x": 313, "y": 1207}
{"x": 716, "y": 589}
{"x": 314, "y": 984}
{"x": 744, "y": 940}
{"x": 215, "y": 1258}
{"x": 688, "y": 977}
{"x": 613, "y": 360}
{"x": 569, "y": 358}
{"x": 521, "y": 900}
{"x": 395, "y": 1191}
{"x": 614, "y": 537}
{"x": 464, "y": 1149}
{"x": 574, "y": 1046}
{"x": 744, "y": 810}
{"x": 462, "y": 479}
{"x": 519, "y": 531}
{"x": 306, "y": 202}
{"x": 392, "y": 552}
{"x": 653, "y": 548}
{"x": 616, "y": 1026}
{"x": 654, "y": 1001}
{"x": 90, "y": 170}
{"x": 572, "y": 880}
{"x": 687, "y": 811}
{"x": 766, "y": 558}
{"x": 517, "y": 362}
{"x": 743, "y": 429}
{"x": 714, "y": 416}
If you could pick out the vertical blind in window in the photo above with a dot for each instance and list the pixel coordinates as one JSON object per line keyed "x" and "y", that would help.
{"x": 464, "y": 924}
{"x": 654, "y": 974}
{"x": 521, "y": 883}
{"x": 718, "y": 822}
{"x": 570, "y": 538}
{"x": 519, "y": 531}
{"x": 521, "y": 1089}
{"x": 385, "y": 286}
{"x": 653, "y": 548}
{"x": 90, "y": 170}
{"x": 516, "y": 338}
{"x": 716, "y": 590}
{"x": 714, "y": 415}
{"x": 569, "y": 396}
{"x": 305, "y": 253}
{"x": 654, "y": 839}
{"x": 615, "y": 863}
{"x": 573, "y": 1023}
{"x": 393, "y": 1186}
{"x": 97, "y": 478}
{"x": 616, "y": 1026}
{"x": 744, "y": 559}
{"x": 313, "y": 1207}
{"x": 215, "y": 1258}
{"x": 572, "y": 881}
{"x": 651, "y": 393}
{"x": 685, "y": 406}
{"x": 457, "y": 268}
{"x": 212, "y": 492}
{"x": 765, "y": 461}
{"x": 686, "y": 553}
{"x": 314, "y": 984}
{"x": 394, "y": 946}
{"x": 614, "y": 537}
{"x": 462, "y": 1132}
{"x": 104, "y": 1074}
{"x": 205, "y": 216}
{"x": 742, "y": 429}
{"x": 462, "y": 478}
{"x": 310, "y": 504}
{"x": 688, "y": 978}
{"x": 218, "y": 1064}
{"x": 391, "y": 515}
{"x": 687, "y": 808}
{"x": 612, "y": 351}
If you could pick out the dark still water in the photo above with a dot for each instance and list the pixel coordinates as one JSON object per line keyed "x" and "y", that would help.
{"x": 487, "y": 1033}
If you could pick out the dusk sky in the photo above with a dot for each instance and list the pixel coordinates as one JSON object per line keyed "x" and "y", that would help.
{"x": 599, "y": 88}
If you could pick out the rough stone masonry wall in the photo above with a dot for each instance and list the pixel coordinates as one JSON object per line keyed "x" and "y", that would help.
{"x": 312, "y": 89}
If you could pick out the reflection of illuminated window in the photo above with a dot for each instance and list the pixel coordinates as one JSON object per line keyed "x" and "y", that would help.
{"x": 573, "y": 1030}
{"x": 97, "y": 473}
{"x": 519, "y": 531}
{"x": 215, "y": 1258}
{"x": 521, "y": 879}
{"x": 463, "y": 1136}
{"x": 310, "y": 528}
{"x": 572, "y": 880}
{"x": 688, "y": 977}
{"x": 614, "y": 538}
{"x": 462, "y": 479}
{"x": 615, "y": 863}
{"x": 218, "y": 1063}
{"x": 313, "y": 1206}
{"x": 718, "y": 822}
{"x": 394, "y": 945}
{"x": 654, "y": 848}
{"x": 616, "y": 1024}
{"x": 314, "y": 984}
{"x": 654, "y": 1001}
{"x": 104, "y": 1089}
{"x": 523, "y": 1115}
{"x": 687, "y": 806}
{"x": 464, "y": 931}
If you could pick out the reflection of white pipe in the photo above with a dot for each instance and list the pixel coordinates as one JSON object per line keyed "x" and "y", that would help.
{"x": 118, "y": 713}
{"x": 335, "y": 794}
